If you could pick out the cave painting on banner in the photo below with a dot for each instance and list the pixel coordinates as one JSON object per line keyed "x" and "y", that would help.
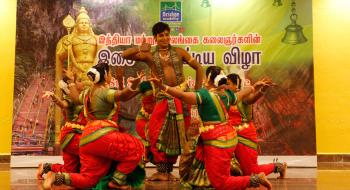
{"x": 253, "y": 39}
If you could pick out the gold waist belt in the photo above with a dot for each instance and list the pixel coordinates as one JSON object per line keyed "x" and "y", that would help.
{"x": 207, "y": 126}
{"x": 74, "y": 126}
{"x": 242, "y": 126}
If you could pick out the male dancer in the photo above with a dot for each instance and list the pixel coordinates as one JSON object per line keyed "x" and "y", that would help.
{"x": 167, "y": 122}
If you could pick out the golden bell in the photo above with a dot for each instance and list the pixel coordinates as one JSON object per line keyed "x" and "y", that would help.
{"x": 294, "y": 34}
{"x": 277, "y": 3}
{"x": 205, "y": 3}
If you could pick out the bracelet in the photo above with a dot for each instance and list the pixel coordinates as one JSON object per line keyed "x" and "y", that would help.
{"x": 166, "y": 88}
{"x": 253, "y": 88}
{"x": 132, "y": 90}
{"x": 71, "y": 84}
{"x": 192, "y": 59}
{"x": 261, "y": 91}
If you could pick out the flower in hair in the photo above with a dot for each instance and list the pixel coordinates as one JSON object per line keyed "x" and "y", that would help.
{"x": 218, "y": 78}
{"x": 63, "y": 86}
{"x": 97, "y": 75}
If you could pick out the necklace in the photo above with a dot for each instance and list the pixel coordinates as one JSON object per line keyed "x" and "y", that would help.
{"x": 163, "y": 49}
{"x": 164, "y": 57}
{"x": 84, "y": 40}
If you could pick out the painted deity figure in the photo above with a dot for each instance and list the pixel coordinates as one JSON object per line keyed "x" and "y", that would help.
{"x": 79, "y": 49}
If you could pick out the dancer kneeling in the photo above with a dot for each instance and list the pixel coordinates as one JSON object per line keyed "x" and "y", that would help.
{"x": 70, "y": 132}
{"x": 218, "y": 139}
{"x": 242, "y": 118}
{"x": 101, "y": 142}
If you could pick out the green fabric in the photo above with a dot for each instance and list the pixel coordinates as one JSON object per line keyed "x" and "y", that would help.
{"x": 207, "y": 109}
{"x": 136, "y": 178}
{"x": 95, "y": 135}
{"x": 102, "y": 103}
{"x": 66, "y": 140}
{"x": 171, "y": 139}
{"x": 145, "y": 86}
{"x": 248, "y": 143}
{"x": 209, "y": 106}
{"x": 222, "y": 144}
{"x": 246, "y": 111}
{"x": 103, "y": 183}
{"x": 198, "y": 175}
{"x": 228, "y": 98}
{"x": 73, "y": 110}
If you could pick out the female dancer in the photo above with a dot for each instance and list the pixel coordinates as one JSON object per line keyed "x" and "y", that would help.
{"x": 217, "y": 136}
{"x": 242, "y": 117}
{"x": 70, "y": 132}
{"x": 148, "y": 102}
{"x": 101, "y": 142}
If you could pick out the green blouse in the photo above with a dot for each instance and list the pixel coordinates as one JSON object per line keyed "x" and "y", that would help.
{"x": 213, "y": 106}
{"x": 246, "y": 111}
{"x": 73, "y": 110}
{"x": 102, "y": 104}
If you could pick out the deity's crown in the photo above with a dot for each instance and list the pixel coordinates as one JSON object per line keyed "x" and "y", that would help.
{"x": 83, "y": 14}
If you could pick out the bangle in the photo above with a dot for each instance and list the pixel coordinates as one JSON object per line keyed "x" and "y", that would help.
{"x": 132, "y": 90}
{"x": 253, "y": 88}
{"x": 192, "y": 59}
{"x": 166, "y": 88}
{"x": 261, "y": 91}
{"x": 71, "y": 84}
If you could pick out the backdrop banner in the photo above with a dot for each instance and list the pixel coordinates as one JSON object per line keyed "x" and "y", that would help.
{"x": 252, "y": 38}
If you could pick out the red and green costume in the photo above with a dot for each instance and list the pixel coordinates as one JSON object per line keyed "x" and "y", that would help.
{"x": 70, "y": 137}
{"x": 142, "y": 118}
{"x": 246, "y": 150}
{"x": 102, "y": 144}
{"x": 169, "y": 120}
{"x": 218, "y": 139}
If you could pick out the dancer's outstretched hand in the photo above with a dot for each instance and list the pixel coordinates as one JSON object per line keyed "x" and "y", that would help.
{"x": 47, "y": 94}
{"x": 156, "y": 81}
{"x": 145, "y": 47}
{"x": 69, "y": 74}
{"x": 136, "y": 81}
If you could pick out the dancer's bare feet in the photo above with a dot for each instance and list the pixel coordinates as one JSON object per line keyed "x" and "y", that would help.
{"x": 172, "y": 177}
{"x": 50, "y": 179}
{"x": 264, "y": 181}
{"x": 39, "y": 173}
{"x": 159, "y": 176}
{"x": 113, "y": 185}
{"x": 283, "y": 171}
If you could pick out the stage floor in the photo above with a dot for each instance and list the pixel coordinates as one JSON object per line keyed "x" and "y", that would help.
{"x": 297, "y": 179}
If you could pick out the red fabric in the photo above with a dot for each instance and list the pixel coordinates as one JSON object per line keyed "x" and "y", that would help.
{"x": 96, "y": 157}
{"x": 70, "y": 153}
{"x": 70, "y": 156}
{"x": 234, "y": 116}
{"x": 217, "y": 160}
{"x": 249, "y": 133}
{"x": 248, "y": 157}
{"x": 140, "y": 127}
{"x": 217, "y": 164}
{"x": 155, "y": 125}
{"x": 223, "y": 131}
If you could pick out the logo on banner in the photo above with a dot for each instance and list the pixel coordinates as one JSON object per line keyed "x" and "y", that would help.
{"x": 170, "y": 11}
